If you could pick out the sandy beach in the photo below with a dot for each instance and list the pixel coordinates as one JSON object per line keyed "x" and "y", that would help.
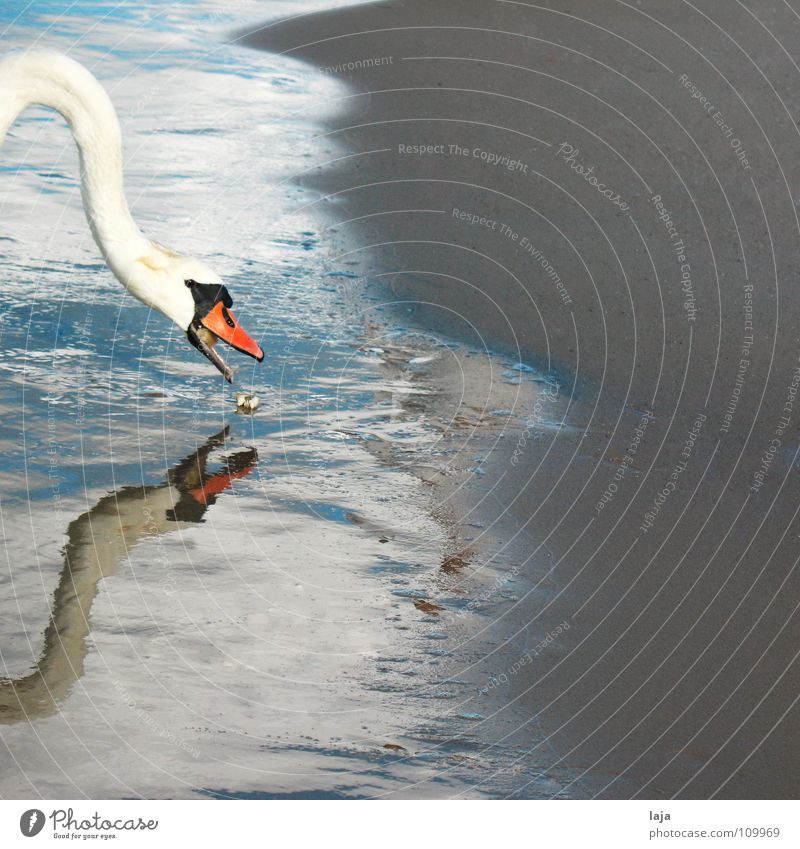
{"x": 517, "y": 516}
{"x": 604, "y": 192}
{"x": 196, "y": 602}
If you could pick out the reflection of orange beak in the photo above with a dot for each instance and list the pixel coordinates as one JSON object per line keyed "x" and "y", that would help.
{"x": 218, "y": 483}
{"x": 222, "y": 324}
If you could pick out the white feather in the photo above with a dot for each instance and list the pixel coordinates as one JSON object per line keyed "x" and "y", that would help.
{"x": 152, "y": 273}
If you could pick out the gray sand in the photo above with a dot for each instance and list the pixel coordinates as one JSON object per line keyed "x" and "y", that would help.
{"x": 606, "y": 191}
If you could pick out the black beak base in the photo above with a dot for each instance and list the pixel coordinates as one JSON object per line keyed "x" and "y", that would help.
{"x": 208, "y": 351}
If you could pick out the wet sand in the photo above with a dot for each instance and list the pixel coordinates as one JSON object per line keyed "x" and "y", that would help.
{"x": 201, "y": 603}
{"x": 605, "y": 192}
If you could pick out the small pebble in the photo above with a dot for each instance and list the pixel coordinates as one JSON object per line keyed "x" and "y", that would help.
{"x": 245, "y": 401}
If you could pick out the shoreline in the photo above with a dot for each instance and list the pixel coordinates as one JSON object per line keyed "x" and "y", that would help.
{"x": 272, "y": 640}
{"x": 518, "y": 516}
{"x": 677, "y": 676}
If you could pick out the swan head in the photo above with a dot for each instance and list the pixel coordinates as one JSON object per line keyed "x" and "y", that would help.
{"x": 193, "y": 296}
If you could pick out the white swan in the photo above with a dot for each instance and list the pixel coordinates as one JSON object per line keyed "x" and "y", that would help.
{"x": 182, "y": 288}
{"x": 97, "y": 542}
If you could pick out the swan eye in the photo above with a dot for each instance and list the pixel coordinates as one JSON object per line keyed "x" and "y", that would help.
{"x": 190, "y": 283}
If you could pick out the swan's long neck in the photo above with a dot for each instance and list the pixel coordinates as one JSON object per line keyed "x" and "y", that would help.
{"x": 98, "y": 541}
{"x": 51, "y": 79}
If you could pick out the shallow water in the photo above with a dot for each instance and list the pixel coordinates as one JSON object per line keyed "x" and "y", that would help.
{"x": 195, "y": 601}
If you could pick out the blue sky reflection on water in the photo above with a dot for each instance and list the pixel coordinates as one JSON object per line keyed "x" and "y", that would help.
{"x": 210, "y": 148}
{"x": 248, "y": 638}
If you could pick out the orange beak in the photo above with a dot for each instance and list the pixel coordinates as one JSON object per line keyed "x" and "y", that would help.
{"x": 218, "y": 483}
{"x": 222, "y": 324}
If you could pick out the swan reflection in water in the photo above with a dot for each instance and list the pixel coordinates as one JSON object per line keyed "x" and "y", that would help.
{"x": 97, "y": 542}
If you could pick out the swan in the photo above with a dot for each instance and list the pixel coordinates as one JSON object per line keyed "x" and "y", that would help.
{"x": 184, "y": 289}
{"x": 97, "y": 542}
